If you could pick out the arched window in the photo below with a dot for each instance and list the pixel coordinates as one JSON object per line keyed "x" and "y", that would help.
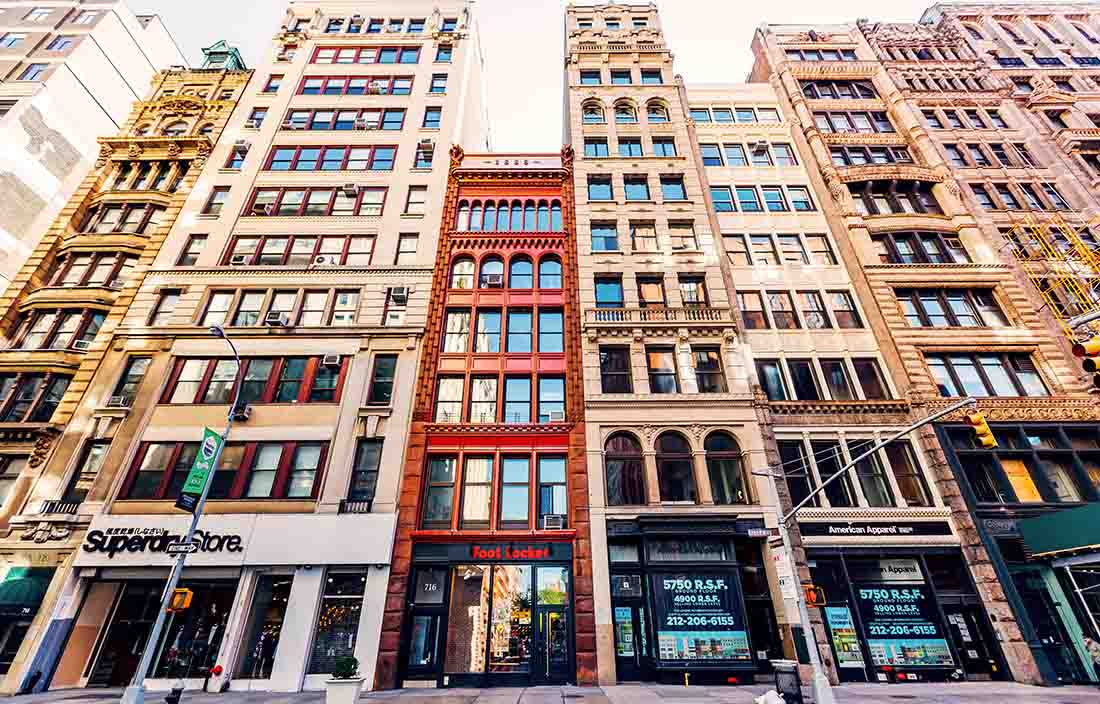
{"x": 492, "y": 273}
{"x": 624, "y": 471}
{"x": 521, "y": 273}
{"x": 592, "y": 113}
{"x": 625, "y": 114}
{"x": 529, "y": 216}
{"x": 675, "y": 475}
{"x": 544, "y": 216}
{"x": 656, "y": 112}
{"x": 490, "y": 216}
{"x": 1085, "y": 33}
{"x": 550, "y": 272}
{"x": 207, "y": 129}
{"x": 176, "y": 129}
{"x": 727, "y": 484}
{"x": 555, "y": 216}
{"x": 1054, "y": 38}
{"x": 462, "y": 273}
{"x": 517, "y": 216}
{"x": 142, "y": 130}
{"x": 463, "y": 223}
{"x": 475, "y": 216}
{"x": 974, "y": 32}
{"x": 1012, "y": 33}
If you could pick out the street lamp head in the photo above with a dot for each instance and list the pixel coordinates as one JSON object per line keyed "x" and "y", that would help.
{"x": 217, "y": 330}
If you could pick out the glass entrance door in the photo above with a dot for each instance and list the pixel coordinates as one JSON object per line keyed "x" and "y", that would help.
{"x": 970, "y": 636}
{"x": 552, "y": 661}
{"x": 633, "y": 660}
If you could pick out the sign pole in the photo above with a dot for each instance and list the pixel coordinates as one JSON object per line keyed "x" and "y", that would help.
{"x": 823, "y": 690}
{"x": 135, "y": 692}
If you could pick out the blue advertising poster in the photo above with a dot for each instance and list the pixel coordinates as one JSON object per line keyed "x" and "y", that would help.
{"x": 699, "y": 618}
{"x": 902, "y": 626}
{"x": 845, "y": 639}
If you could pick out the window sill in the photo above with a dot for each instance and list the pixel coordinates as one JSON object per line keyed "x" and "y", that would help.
{"x": 412, "y": 216}
{"x": 209, "y": 216}
{"x": 227, "y": 170}
{"x": 677, "y": 202}
{"x": 420, "y": 170}
{"x": 598, "y": 252}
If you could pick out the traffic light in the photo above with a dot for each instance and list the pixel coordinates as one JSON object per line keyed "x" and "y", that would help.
{"x": 815, "y": 596}
{"x": 181, "y": 599}
{"x": 982, "y": 432}
{"x": 1089, "y": 350}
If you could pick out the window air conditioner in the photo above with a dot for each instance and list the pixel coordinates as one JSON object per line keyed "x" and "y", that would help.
{"x": 426, "y": 144}
{"x": 553, "y": 521}
{"x": 276, "y": 319}
{"x": 121, "y": 401}
{"x": 82, "y": 344}
{"x": 252, "y": 123}
{"x": 324, "y": 260}
{"x": 238, "y": 260}
{"x": 242, "y": 144}
{"x": 760, "y": 144}
{"x": 556, "y": 416}
{"x": 331, "y": 361}
{"x": 116, "y": 285}
{"x": 360, "y": 123}
{"x": 399, "y": 295}
{"x": 493, "y": 280}
{"x": 350, "y": 189}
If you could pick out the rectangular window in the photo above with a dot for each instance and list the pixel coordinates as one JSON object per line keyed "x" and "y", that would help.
{"x": 770, "y": 374}
{"x": 599, "y": 188}
{"x": 165, "y": 308}
{"x": 438, "y": 84}
{"x": 519, "y": 331}
{"x": 191, "y": 250}
{"x": 813, "y": 310}
{"x": 748, "y": 199}
{"x": 448, "y": 403}
{"x": 737, "y": 251}
{"x": 33, "y": 72}
{"x": 273, "y": 83}
{"x": 60, "y": 43}
{"x": 651, "y": 77}
{"x": 443, "y": 53}
{"x": 1012, "y": 374}
{"x": 432, "y": 117}
{"x": 636, "y": 188}
{"x": 487, "y": 338}
{"x": 800, "y": 199}
{"x": 722, "y": 198}
{"x": 553, "y": 493}
{"x": 416, "y": 202}
{"x": 682, "y": 236}
{"x": 651, "y": 291}
{"x": 456, "y": 337}
{"x": 782, "y": 310}
{"x": 382, "y": 378}
{"x": 796, "y": 467}
{"x": 609, "y": 292}
{"x": 661, "y": 363}
{"x": 517, "y": 400}
{"x": 218, "y": 196}
{"x": 406, "y": 249}
{"x": 551, "y": 334}
{"x": 620, "y": 77}
{"x": 605, "y": 237}
{"x": 439, "y": 493}
{"x": 752, "y": 310}
{"x": 907, "y": 474}
{"x": 590, "y": 77}
{"x": 672, "y": 188}
{"x": 844, "y": 310}
{"x": 595, "y": 147}
{"x": 615, "y": 376}
{"x": 870, "y": 379}
{"x": 709, "y": 375}
{"x": 551, "y": 399}
{"x": 735, "y": 155}
{"x": 643, "y": 237}
{"x": 664, "y": 146}
{"x": 483, "y": 399}
{"x": 712, "y": 154}
{"x": 515, "y": 480}
{"x": 628, "y": 146}
{"x": 774, "y": 200}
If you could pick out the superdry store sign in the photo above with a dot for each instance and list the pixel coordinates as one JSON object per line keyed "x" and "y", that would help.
{"x": 699, "y": 619}
{"x": 115, "y": 540}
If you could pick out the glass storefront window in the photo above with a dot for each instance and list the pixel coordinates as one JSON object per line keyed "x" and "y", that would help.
{"x": 619, "y": 552}
{"x": 266, "y": 623}
{"x": 337, "y": 620}
{"x": 192, "y": 637}
{"x": 553, "y": 586}
{"x": 467, "y": 620}
{"x": 510, "y": 638}
{"x": 688, "y": 550}
{"x": 422, "y": 639}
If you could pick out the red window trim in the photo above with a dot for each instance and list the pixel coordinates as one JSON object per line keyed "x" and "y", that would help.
{"x": 308, "y": 380}
{"x": 335, "y": 112}
{"x": 47, "y": 379}
{"x": 236, "y": 492}
{"x": 281, "y": 190}
{"x": 501, "y": 377}
{"x": 262, "y": 239}
{"x": 359, "y": 53}
{"x": 321, "y": 157}
{"x": 95, "y": 215}
{"x": 191, "y": 239}
{"x": 347, "y": 79}
{"x": 96, "y": 257}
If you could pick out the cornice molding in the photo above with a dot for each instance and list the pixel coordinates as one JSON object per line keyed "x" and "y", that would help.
{"x": 291, "y": 272}
{"x": 1045, "y": 409}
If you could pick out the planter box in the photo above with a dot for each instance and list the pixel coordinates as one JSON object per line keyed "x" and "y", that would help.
{"x": 343, "y": 691}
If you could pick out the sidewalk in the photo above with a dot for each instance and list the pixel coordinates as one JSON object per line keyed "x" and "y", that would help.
{"x": 958, "y": 693}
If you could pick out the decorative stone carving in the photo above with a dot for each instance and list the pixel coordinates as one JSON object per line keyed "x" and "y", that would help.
{"x": 134, "y": 151}
{"x": 952, "y": 187}
{"x": 179, "y": 105}
{"x": 456, "y": 155}
{"x": 838, "y": 191}
{"x": 46, "y": 531}
{"x": 567, "y": 157}
{"x": 42, "y": 446}
{"x": 105, "y": 152}
{"x": 174, "y": 150}
{"x": 201, "y": 153}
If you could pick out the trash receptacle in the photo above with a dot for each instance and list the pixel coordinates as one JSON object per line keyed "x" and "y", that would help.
{"x": 787, "y": 681}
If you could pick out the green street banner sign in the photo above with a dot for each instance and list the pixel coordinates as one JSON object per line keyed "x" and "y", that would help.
{"x": 201, "y": 469}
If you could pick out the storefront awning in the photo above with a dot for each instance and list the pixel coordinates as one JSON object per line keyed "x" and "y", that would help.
{"x": 23, "y": 588}
{"x": 1072, "y": 530}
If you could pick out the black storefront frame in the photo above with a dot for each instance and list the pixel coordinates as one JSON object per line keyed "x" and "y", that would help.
{"x": 448, "y": 556}
{"x": 970, "y": 599}
{"x": 641, "y": 533}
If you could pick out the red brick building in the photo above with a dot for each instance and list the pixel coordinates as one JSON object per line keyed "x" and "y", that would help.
{"x": 491, "y": 580}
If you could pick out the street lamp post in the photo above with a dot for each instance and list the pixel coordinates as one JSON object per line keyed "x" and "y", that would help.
{"x": 135, "y": 693}
{"x": 823, "y": 691}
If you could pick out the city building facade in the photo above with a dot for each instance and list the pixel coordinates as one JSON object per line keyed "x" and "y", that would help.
{"x": 309, "y": 238}
{"x": 672, "y": 431}
{"x": 928, "y": 163}
{"x": 492, "y": 581}
{"x": 69, "y": 72}
{"x": 69, "y": 383}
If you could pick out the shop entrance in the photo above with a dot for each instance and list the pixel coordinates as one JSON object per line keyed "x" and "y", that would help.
{"x": 1051, "y": 633}
{"x": 633, "y": 657}
{"x": 478, "y": 625}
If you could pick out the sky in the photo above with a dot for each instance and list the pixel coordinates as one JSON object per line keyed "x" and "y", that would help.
{"x": 522, "y": 42}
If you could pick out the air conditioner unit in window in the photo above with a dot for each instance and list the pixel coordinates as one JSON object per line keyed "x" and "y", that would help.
{"x": 760, "y": 144}
{"x": 238, "y": 260}
{"x": 116, "y": 285}
{"x": 331, "y": 360}
{"x": 325, "y": 260}
{"x": 553, "y": 521}
{"x": 556, "y": 416}
{"x": 261, "y": 209}
{"x": 493, "y": 280}
{"x": 426, "y": 144}
{"x": 82, "y": 344}
{"x": 350, "y": 189}
{"x": 276, "y": 319}
{"x": 121, "y": 401}
{"x": 399, "y": 295}
{"x": 252, "y": 123}
{"x": 356, "y": 18}
{"x": 360, "y": 123}
{"x": 241, "y": 412}
{"x": 242, "y": 144}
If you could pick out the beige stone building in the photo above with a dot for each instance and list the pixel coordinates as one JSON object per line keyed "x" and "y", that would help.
{"x": 926, "y": 160}
{"x": 70, "y": 382}
{"x": 310, "y": 237}
{"x": 69, "y": 72}
{"x": 671, "y": 424}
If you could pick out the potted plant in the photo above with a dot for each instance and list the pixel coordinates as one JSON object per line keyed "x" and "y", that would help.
{"x": 346, "y": 684}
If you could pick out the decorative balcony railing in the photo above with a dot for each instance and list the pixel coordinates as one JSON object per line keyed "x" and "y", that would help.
{"x": 353, "y": 506}
{"x": 660, "y": 314}
{"x": 67, "y": 508}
